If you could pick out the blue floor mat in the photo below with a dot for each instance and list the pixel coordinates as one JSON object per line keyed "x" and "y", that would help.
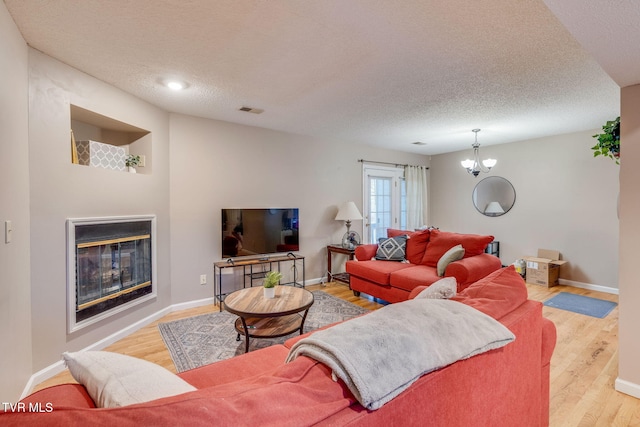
{"x": 593, "y": 307}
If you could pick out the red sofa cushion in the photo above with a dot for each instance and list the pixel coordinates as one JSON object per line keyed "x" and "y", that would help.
{"x": 497, "y": 294}
{"x": 441, "y": 241}
{"x": 409, "y": 278}
{"x": 416, "y": 245}
{"x": 236, "y": 368}
{"x": 374, "y": 270}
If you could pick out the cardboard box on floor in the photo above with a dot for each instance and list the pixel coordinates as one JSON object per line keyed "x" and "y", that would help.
{"x": 544, "y": 269}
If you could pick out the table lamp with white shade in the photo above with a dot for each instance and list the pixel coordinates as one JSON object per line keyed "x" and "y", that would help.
{"x": 348, "y": 212}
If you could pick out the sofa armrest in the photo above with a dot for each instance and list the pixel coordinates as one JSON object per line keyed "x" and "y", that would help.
{"x": 472, "y": 269}
{"x": 414, "y": 293}
{"x": 549, "y": 337}
{"x": 61, "y": 395}
{"x": 366, "y": 252}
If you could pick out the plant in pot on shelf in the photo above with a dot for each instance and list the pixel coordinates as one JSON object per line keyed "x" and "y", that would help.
{"x": 609, "y": 141}
{"x": 271, "y": 280}
{"x": 131, "y": 162}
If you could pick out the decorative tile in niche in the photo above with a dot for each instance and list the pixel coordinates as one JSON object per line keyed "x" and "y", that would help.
{"x": 100, "y": 155}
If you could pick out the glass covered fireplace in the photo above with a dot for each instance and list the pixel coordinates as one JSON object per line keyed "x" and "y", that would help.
{"x": 110, "y": 266}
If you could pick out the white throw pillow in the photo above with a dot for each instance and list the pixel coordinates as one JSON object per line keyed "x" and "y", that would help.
{"x": 442, "y": 289}
{"x": 113, "y": 379}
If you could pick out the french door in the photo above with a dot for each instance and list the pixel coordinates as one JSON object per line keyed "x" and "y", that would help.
{"x": 384, "y": 200}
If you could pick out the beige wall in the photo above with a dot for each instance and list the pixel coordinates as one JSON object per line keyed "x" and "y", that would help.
{"x": 61, "y": 190}
{"x": 565, "y": 200}
{"x": 15, "y": 308}
{"x": 217, "y": 165}
{"x": 629, "y": 348}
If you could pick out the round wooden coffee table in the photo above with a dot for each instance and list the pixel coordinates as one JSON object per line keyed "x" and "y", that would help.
{"x": 259, "y": 317}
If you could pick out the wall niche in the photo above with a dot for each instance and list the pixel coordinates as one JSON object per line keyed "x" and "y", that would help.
{"x": 103, "y": 142}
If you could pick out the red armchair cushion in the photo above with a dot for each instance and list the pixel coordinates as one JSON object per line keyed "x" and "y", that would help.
{"x": 441, "y": 241}
{"x": 416, "y": 245}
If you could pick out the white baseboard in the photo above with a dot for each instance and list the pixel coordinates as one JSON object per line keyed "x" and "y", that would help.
{"x": 192, "y": 304}
{"x": 627, "y": 387}
{"x": 56, "y": 368}
{"x": 589, "y": 286}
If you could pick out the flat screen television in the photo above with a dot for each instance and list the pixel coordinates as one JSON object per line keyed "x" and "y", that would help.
{"x": 256, "y": 231}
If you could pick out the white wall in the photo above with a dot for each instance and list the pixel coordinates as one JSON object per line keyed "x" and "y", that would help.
{"x": 61, "y": 190}
{"x": 565, "y": 199}
{"x": 15, "y": 308}
{"x": 217, "y": 165}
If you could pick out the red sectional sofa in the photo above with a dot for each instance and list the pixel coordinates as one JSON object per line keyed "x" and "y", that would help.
{"x": 393, "y": 281}
{"x": 507, "y": 386}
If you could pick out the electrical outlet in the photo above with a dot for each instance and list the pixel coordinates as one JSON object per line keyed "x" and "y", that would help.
{"x": 142, "y": 161}
{"x": 203, "y": 279}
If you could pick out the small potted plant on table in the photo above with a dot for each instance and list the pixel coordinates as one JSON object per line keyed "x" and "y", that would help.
{"x": 271, "y": 280}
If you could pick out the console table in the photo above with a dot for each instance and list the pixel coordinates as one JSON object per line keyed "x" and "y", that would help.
{"x": 338, "y": 249}
{"x": 253, "y": 269}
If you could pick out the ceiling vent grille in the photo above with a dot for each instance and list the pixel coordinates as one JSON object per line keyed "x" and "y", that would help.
{"x": 251, "y": 110}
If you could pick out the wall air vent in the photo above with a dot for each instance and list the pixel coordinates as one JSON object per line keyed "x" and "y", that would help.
{"x": 251, "y": 110}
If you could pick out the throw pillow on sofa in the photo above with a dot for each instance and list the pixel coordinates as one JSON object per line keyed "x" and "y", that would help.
{"x": 416, "y": 245}
{"x": 392, "y": 248}
{"x": 453, "y": 254}
{"x": 442, "y": 289}
{"x": 114, "y": 379}
{"x": 441, "y": 241}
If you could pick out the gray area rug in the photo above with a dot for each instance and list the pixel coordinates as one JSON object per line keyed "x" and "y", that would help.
{"x": 208, "y": 338}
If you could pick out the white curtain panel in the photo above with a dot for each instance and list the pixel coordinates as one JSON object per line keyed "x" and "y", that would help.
{"x": 416, "y": 178}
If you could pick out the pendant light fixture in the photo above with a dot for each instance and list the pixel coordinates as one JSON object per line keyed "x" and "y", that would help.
{"x": 475, "y": 166}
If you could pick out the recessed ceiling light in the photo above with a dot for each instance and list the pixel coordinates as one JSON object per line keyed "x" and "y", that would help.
{"x": 419, "y": 143}
{"x": 175, "y": 85}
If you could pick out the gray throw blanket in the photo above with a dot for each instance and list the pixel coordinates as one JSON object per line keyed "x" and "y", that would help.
{"x": 381, "y": 354}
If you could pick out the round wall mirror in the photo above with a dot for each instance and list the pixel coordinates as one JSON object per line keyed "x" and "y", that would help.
{"x": 494, "y": 196}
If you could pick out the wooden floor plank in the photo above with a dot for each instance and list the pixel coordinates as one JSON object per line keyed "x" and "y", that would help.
{"x": 584, "y": 365}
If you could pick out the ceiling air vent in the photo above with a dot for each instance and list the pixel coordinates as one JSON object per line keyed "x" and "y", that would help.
{"x": 251, "y": 110}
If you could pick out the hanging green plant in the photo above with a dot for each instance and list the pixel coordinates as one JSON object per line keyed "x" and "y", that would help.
{"x": 609, "y": 141}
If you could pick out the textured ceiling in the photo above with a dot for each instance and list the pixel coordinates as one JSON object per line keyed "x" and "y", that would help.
{"x": 372, "y": 72}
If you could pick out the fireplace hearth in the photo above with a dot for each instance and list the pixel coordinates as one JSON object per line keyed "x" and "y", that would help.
{"x": 110, "y": 266}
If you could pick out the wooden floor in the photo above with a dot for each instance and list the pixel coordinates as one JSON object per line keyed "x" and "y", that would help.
{"x": 583, "y": 368}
